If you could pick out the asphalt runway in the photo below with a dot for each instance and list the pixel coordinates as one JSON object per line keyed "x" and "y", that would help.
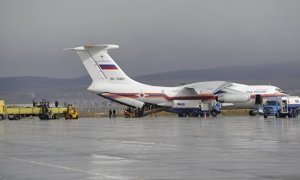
{"x": 150, "y": 148}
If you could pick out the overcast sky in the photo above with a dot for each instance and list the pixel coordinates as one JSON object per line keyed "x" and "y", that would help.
{"x": 154, "y": 36}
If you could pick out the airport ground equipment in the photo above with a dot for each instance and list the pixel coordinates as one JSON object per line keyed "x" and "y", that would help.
{"x": 43, "y": 111}
{"x": 137, "y": 112}
{"x": 46, "y": 112}
{"x": 2, "y": 110}
{"x": 71, "y": 112}
{"x": 196, "y": 108}
{"x": 282, "y": 107}
{"x": 258, "y": 108}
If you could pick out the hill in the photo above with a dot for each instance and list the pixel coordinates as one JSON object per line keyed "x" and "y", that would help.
{"x": 284, "y": 75}
{"x": 24, "y": 89}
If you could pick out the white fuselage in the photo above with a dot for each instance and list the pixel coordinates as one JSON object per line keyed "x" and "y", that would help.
{"x": 132, "y": 94}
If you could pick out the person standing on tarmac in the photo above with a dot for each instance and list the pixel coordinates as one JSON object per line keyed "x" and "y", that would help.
{"x": 114, "y": 113}
{"x": 110, "y": 113}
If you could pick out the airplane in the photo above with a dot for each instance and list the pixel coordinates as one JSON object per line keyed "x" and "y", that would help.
{"x": 110, "y": 82}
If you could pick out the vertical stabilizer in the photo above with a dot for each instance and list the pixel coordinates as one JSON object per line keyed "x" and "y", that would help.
{"x": 100, "y": 66}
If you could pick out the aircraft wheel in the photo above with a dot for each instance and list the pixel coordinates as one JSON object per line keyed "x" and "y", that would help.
{"x": 182, "y": 114}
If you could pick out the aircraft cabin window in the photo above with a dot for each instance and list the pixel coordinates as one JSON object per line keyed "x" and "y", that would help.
{"x": 278, "y": 89}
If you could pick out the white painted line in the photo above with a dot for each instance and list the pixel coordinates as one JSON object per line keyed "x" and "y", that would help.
{"x": 70, "y": 169}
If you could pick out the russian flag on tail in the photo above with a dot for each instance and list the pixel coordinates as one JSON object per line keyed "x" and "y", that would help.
{"x": 108, "y": 66}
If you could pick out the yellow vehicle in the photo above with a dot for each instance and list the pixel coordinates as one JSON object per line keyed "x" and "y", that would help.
{"x": 2, "y": 110}
{"x": 18, "y": 112}
{"x": 43, "y": 111}
{"x": 71, "y": 112}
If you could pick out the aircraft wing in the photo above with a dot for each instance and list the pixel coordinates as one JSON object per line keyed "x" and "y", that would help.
{"x": 208, "y": 87}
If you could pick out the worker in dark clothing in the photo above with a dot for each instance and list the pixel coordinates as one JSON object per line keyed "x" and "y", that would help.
{"x": 33, "y": 103}
{"x": 56, "y": 103}
{"x": 110, "y": 113}
{"x": 114, "y": 113}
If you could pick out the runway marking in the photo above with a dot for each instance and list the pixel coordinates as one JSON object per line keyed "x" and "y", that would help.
{"x": 141, "y": 143}
{"x": 104, "y": 159}
{"x": 68, "y": 168}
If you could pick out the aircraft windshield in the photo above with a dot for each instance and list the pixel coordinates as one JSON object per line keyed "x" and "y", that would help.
{"x": 278, "y": 90}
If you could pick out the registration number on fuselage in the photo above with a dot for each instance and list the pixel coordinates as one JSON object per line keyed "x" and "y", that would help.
{"x": 117, "y": 78}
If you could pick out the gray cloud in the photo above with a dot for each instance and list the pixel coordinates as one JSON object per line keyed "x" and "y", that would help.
{"x": 154, "y": 36}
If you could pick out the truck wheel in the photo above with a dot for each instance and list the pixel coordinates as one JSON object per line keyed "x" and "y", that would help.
{"x": 265, "y": 116}
{"x": 11, "y": 117}
{"x": 202, "y": 114}
{"x": 290, "y": 114}
{"x": 251, "y": 113}
{"x": 296, "y": 113}
{"x": 214, "y": 113}
{"x": 276, "y": 115}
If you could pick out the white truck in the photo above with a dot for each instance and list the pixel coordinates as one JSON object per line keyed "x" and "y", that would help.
{"x": 282, "y": 107}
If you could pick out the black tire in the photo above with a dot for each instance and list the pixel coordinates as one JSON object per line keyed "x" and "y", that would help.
{"x": 11, "y": 117}
{"x": 276, "y": 115}
{"x": 214, "y": 113}
{"x": 202, "y": 114}
{"x": 251, "y": 113}
{"x": 265, "y": 116}
{"x": 296, "y": 114}
{"x": 17, "y": 117}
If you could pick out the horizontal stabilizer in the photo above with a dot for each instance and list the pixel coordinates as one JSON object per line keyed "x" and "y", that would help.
{"x": 98, "y": 47}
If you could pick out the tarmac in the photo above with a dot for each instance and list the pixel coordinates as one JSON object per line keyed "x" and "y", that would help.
{"x": 150, "y": 148}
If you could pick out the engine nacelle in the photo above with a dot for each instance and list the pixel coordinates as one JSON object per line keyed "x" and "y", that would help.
{"x": 233, "y": 98}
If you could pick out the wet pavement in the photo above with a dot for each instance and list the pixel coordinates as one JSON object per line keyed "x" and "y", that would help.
{"x": 150, "y": 148}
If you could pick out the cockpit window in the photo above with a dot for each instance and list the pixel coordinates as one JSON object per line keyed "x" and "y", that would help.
{"x": 278, "y": 89}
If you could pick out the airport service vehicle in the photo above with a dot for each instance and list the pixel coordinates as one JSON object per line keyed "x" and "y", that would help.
{"x": 2, "y": 110}
{"x": 109, "y": 81}
{"x": 282, "y": 107}
{"x": 71, "y": 112}
{"x": 206, "y": 108}
{"x": 44, "y": 112}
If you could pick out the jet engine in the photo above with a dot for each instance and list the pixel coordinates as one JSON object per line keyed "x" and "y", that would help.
{"x": 233, "y": 98}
